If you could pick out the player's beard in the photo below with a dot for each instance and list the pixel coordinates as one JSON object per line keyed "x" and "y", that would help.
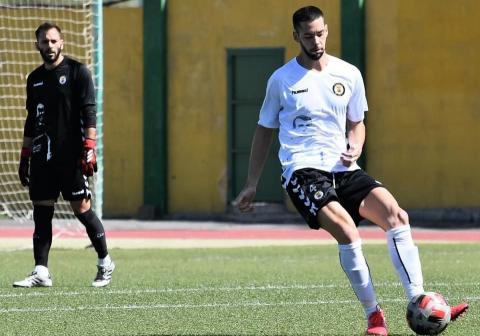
{"x": 46, "y": 57}
{"x": 312, "y": 56}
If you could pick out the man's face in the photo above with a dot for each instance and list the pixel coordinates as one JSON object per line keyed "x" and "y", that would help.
{"x": 312, "y": 37}
{"x": 50, "y": 45}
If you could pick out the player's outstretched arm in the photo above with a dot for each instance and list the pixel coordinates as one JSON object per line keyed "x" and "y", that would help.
{"x": 261, "y": 143}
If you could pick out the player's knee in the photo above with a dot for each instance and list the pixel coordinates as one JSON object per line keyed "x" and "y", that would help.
{"x": 342, "y": 231}
{"x": 42, "y": 215}
{"x": 351, "y": 235}
{"x": 397, "y": 216}
{"x": 45, "y": 203}
{"x": 403, "y": 217}
{"x": 80, "y": 206}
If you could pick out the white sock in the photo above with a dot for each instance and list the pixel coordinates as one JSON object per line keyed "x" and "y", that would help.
{"x": 355, "y": 267}
{"x": 105, "y": 261}
{"x": 42, "y": 271}
{"x": 406, "y": 260}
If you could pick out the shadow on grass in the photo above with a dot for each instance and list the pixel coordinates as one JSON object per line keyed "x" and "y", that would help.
{"x": 213, "y": 334}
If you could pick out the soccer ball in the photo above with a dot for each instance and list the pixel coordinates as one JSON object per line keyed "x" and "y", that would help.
{"x": 428, "y": 314}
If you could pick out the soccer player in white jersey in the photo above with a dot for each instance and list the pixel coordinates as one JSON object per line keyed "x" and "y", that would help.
{"x": 317, "y": 102}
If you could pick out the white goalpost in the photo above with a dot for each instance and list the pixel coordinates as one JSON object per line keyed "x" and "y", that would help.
{"x": 81, "y": 24}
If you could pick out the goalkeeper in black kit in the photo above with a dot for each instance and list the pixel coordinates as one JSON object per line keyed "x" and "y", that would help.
{"x": 58, "y": 152}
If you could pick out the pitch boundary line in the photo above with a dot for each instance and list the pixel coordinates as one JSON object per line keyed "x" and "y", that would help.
{"x": 194, "y": 306}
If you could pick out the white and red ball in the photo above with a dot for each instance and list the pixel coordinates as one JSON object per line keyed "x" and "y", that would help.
{"x": 428, "y": 314}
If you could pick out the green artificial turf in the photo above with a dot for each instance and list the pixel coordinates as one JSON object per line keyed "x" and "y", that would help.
{"x": 239, "y": 291}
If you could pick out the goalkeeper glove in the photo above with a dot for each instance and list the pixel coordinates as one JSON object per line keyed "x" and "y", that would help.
{"x": 24, "y": 166}
{"x": 89, "y": 158}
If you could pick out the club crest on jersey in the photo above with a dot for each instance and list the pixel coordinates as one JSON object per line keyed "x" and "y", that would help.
{"x": 318, "y": 195}
{"x": 62, "y": 80}
{"x": 339, "y": 89}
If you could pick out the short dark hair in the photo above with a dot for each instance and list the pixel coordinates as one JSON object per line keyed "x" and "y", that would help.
{"x": 306, "y": 14}
{"x": 45, "y": 27}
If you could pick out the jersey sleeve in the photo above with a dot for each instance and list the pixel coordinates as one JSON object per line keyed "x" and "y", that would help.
{"x": 357, "y": 106}
{"x": 86, "y": 91}
{"x": 271, "y": 105}
{"x": 28, "y": 130}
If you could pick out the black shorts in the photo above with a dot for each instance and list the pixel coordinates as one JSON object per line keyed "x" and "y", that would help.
{"x": 48, "y": 179}
{"x": 311, "y": 189}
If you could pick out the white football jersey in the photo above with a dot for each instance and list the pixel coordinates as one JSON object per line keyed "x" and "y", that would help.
{"x": 310, "y": 108}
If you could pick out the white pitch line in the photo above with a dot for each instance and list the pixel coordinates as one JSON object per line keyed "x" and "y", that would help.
{"x": 193, "y": 306}
{"x": 172, "y": 306}
{"x": 47, "y": 292}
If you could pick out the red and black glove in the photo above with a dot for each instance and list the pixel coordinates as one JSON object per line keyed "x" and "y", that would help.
{"x": 89, "y": 158}
{"x": 24, "y": 166}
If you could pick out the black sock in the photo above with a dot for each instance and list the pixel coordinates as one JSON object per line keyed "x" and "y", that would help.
{"x": 42, "y": 236}
{"x": 95, "y": 232}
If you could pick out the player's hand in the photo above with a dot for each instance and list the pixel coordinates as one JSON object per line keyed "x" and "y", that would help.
{"x": 89, "y": 158}
{"x": 24, "y": 167}
{"x": 243, "y": 202}
{"x": 351, "y": 155}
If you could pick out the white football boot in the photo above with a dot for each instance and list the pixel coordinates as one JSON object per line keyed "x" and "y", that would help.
{"x": 34, "y": 280}
{"x": 104, "y": 275}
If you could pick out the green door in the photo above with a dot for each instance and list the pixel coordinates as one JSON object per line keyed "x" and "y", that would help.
{"x": 248, "y": 72}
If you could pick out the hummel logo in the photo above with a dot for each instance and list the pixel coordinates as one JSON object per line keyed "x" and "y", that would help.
{"x": 299, "y": 91}
{"x": 78, "y": 192}
{"x": 37, "y": 84}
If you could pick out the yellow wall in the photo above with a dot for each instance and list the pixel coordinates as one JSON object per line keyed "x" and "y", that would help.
{"x": 422, "y": 82}
{"x": 423, "y": 76}
{"x": 123, "y": 111}
{"x": 199, "y": 32}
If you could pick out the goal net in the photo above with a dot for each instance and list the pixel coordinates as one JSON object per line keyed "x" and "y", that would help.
{"x": 81, "y": 24}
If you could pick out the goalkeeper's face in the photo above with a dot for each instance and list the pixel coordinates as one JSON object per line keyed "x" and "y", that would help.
{"x": 50, "y": 45}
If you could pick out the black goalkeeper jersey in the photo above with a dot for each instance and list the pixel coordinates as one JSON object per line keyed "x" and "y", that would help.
{"x": 55, "y": 99}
